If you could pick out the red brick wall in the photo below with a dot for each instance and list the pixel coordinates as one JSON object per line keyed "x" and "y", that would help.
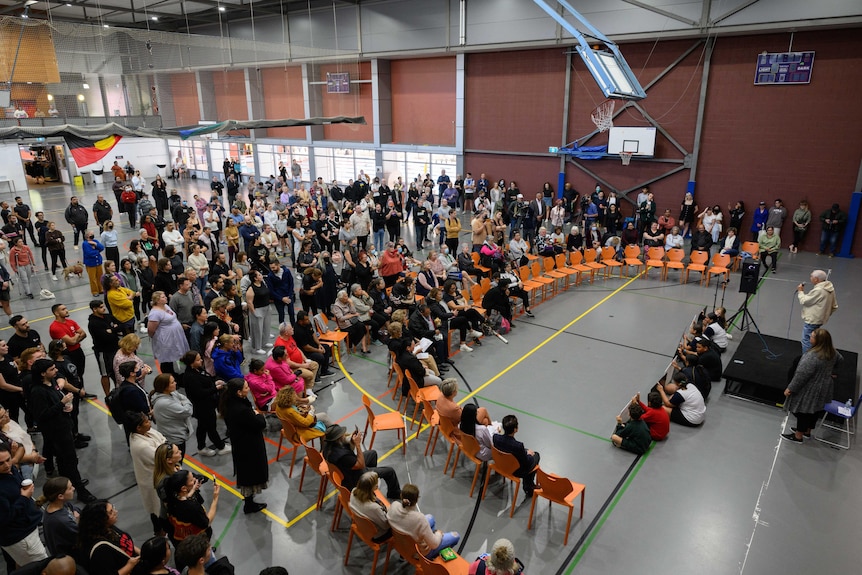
{"x": 423, "y": 101}
{"x": 283, "y": 98}
{"x": 357, "y": 103}
{"x": 184, "y": 93}
{"x": 230, "y": 95}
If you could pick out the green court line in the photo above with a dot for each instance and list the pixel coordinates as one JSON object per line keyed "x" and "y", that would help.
{"x": 748, "y": 300}
{"x": 545, "y": 419}
{"x": 579, "y": 555}
{"x": 224, "y": 531}
{"x": 386, "y": 365}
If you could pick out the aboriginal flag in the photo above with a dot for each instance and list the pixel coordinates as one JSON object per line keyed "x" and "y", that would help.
{"x": 88, "y": 152}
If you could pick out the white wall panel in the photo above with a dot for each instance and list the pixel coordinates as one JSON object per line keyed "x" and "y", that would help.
{"x": 405, "y": 25}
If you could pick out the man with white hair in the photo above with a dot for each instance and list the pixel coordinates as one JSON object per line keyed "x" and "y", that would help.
{"x": 817, "y": 305}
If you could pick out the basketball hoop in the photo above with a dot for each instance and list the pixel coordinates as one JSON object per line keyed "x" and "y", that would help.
{"x": 603, "y": 115}
{"x": 626, "y": 157}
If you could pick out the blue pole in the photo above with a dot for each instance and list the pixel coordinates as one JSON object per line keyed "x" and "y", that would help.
{"x": 561, "y": 183}
{"x": 850, "y": 228}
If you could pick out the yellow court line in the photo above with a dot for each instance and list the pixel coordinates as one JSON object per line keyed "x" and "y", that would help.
{"x": 547, "y": 340}
{"x": 223, "y": 485}
{"x": 46, "y": 317}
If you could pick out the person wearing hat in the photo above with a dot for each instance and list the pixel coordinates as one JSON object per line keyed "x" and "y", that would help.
{"x": 758, "y": 222}
{"x": 345, "y": 452}
{"x": 833, "y": 221}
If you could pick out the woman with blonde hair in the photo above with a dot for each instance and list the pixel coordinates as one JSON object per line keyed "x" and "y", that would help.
{"x": 143, "y": 442}
{"x": 364, "y": 502}
{"x": 500, "y": 561}
{"x": 129, "y": 345}
{"x": 308, "y": 424}
{"x": 404, "y": 516}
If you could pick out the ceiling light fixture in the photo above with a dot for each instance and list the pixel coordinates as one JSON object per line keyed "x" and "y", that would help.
{"x": 30, "y": 2}
{"x": 104, "y": 25}
{"x": 154, "y": 18}
{"x": 86, "y": 86}
{"x": 221, "y": 8}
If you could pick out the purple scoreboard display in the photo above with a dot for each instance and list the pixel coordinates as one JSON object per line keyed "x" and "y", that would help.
{"x": 784, "y": 68}
{"x": 338, "y": 82}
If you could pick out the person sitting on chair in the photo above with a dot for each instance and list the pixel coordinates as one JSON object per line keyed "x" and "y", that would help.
{"x": 345, "y": 452}
{"x": 405, "y": 517}
{"x": 527, "y": 458}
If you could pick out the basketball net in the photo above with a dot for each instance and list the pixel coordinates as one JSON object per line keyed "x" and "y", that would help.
{"x": 626, "y": 157}
{"x": 602, "y": 116}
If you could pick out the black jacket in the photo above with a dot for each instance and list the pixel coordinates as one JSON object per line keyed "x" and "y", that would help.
{"x": 105, "y": 333}
{"x": 77, "y": 215}
{"x": 201, "y": 390}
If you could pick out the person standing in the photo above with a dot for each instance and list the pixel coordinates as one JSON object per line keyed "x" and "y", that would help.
{"x": 54, "y": 239}
{"x": 166, "y": 333}
{"x": 817, "y": 305}
{"x": 102, "y": 211}
{"x": 92, "y": 261}
{"x": 24, "y": 212}
{"x": 66, "y": 329}
{"x": 160, "y": 195}
{"x": 833, "y": 221}
{"x": 76, "y": 215}
{"x": 246, "y": 429}
{"x": 801, "y": 221}
{"x": 52, "y": 410}
{"x": 776, "y": 217}
{"x": 812, "y": 385}
{"x": 23, "y": 263}
{"x": 106, "y": 337}
{"x": 109, "y": 239}
{"x": 257, "y": 296}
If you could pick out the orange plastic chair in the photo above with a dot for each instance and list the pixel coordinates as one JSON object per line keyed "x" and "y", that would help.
{"x": 385, "y": 422}
{"x": 477, "y": 265}
{"x": 335, "y": 337}
{"x": 576, "y": 259}
{"x": 430, "y": 415}
{"x": 674, "y": 261}
{"x": 398, "y": 383}
{"x": 366, "y": 530}
{"x": 557, "y": 490}
{"x": 406, "y": 547}
{"x": 631, "y": 257}
{"x": 655, "y": 259}
{"x": 470, "y": 447}
{"x": 457, "y": 566}
{"x": 447, "y": 428}
{"x": 530, "y": 286}
{"x": 314, "y": 459}
{"x": 591, "y": 260}
{"x": 608, "y": 255}
{"x": 288, "y": 432}
{"x": 547, "y": 282}
{"x": 720, "y": 266}
{"x": 529, "y": 254}
{"x": 428, "y": 393}
{"x": 560, "y": 260}
{"x": 751, "y": 247}
{"x": 343, "y": 502}
{"x": 555, "y": 274}
{"x": 506, "y": 465}
{"x": 476, "y": 293}
{"x": 697, "y": 263}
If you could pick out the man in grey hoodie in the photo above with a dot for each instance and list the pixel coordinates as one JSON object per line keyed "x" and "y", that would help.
{"x": 817, "y": 305}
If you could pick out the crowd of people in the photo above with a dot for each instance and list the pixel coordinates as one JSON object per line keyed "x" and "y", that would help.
{"x": 199, "y": 280}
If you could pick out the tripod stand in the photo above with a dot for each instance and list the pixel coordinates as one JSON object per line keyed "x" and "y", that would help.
{"x": 723, "y": 285}
{"x": 747, "y": 318}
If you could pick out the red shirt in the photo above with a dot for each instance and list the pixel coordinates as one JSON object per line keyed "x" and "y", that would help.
{"x": 657, "y": 420}
{"x": 59, "y": 330}
{"x": 293, "y": 352}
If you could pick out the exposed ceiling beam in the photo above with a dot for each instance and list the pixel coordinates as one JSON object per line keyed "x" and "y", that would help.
{"x": 730, "y": 13}
{"x": 671, "y": 15}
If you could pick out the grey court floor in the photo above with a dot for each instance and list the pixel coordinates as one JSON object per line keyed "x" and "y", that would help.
{"x": 728, "y": 497}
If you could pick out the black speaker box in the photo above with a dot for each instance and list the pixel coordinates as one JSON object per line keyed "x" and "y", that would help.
{"x": 750, "y": 272}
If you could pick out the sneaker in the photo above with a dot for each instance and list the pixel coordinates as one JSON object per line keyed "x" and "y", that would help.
{"x": 791, "y": 437}
{"x": 804, "y": 435}
{"x": 53, "y": 277}
{"x": 311, "y": 398}
{"x": 225, "y": 450}
{"x": 268, "y": 344}
{"x": 465, "y": 347}
{"x": 84, "y": 496}
{"x": 528, "y": 313}
{"x": 475, "y": 334}
{"x": 206, "y": 452}
{"x": 143, "y": 328}
{"x": 328, "y": 374}
{"x": 260, "y": 351}
{"x": 76, "y": 248}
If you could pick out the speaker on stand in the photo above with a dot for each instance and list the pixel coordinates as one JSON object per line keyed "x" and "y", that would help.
{"x": 750, "y": 276}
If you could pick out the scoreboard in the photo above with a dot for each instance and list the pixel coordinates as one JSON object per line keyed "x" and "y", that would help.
{"x": 784, "y": 68}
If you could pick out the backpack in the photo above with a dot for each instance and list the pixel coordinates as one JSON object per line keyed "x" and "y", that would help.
{"x": 129, "y": 197}
{"x": 115, "y": 404}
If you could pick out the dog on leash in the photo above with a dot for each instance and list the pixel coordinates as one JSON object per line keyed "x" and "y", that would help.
{"x": 76, "y": 268}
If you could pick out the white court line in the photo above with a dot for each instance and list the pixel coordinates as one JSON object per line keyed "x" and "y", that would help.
{"x": 756, "y": 513}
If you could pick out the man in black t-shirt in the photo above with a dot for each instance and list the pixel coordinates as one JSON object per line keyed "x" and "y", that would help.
{"x": 345, "y": 452}
{"x": 106, "y": 334}
{"x": 24, "y": 337}
{"x": 303, "y": 334}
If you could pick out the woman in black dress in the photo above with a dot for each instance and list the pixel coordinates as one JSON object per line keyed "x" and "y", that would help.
{"x": 246, "y": 429}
